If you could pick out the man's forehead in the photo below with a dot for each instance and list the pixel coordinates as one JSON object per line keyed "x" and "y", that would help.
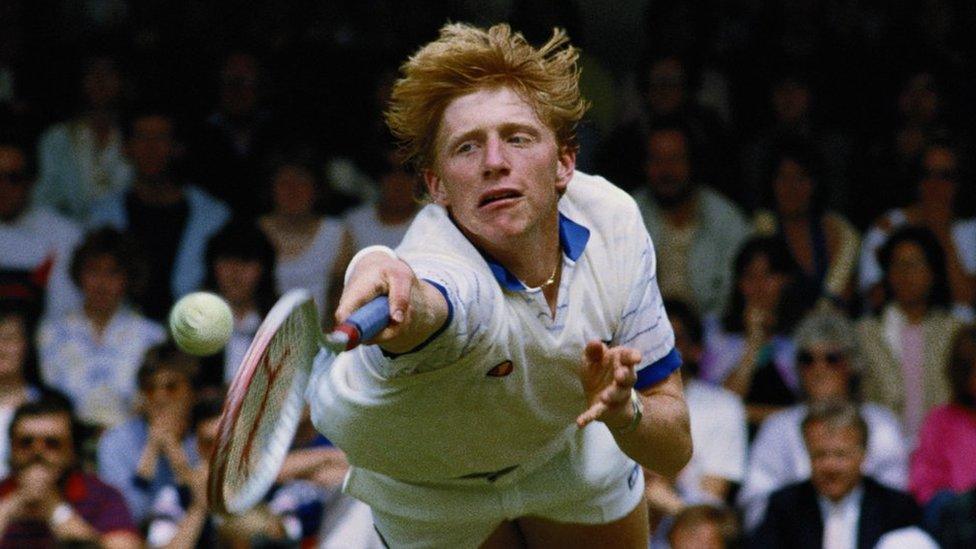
{"x": 487, "y": 106}
{"x": 54, "y": 423}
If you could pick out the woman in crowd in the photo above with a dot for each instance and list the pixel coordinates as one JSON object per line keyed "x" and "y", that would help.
{"x": 749, "y": 350}
{"x": 829, "y": 367}
{"x": 908, "y": 345}
{"x": 309, "y": 246}
{"x": 943, "y": 465}
{"x": 92, "y": 354}
{"x": 822, "y": 242}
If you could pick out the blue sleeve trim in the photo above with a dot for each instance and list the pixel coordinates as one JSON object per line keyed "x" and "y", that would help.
{"x": 657, "y": 371}
{"x": 433, "y": 336}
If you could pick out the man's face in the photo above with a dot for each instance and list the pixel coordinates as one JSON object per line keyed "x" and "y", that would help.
{"x": 824, "y": 372}
{"x": 939, "y": 178}
{"x": 14, "y": 184}
{"x": 45, "y": 440}
{"x": 666, "y": 86}
{"x": 151, "y": 146}
{"x": 836, "y": 455}
{"x": 497, "y": 167}
{"x": 239, "y": 85}
{"x": 168, "y": 391}
{"x": 103, "y": 283}
{"x": 668, "y": 167}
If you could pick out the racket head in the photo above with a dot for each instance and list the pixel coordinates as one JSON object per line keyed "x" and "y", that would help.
{"x": 264, "y": 405}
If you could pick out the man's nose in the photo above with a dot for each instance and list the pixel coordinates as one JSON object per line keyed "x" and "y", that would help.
{"x": 494, "y": 159}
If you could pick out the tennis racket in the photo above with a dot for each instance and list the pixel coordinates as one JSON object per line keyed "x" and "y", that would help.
{"x": 266, "y": 397}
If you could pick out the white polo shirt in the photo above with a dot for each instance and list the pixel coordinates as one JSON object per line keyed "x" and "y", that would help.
{"x": 497, "y": 386}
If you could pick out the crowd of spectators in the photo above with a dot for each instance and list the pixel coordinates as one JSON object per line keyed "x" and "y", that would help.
{"x": 804, "y": 169}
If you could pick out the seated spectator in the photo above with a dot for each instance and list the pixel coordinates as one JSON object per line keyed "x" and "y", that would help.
{"x": 180, "y": 517}
{"x": 35, "y": 242}
{"x": 240, "y": 268}
{"x": 704, "y": 526}
{"x": 953, "y": 525}
{"x": 48, "y": 500}
{"x": 749, "y": 350}
{"x": 16, "y": 358}
{"x": 838, "y": 506}
{"x": 82, "y": 159}
{"x": 822, "y": 242}
{"x": 696, "y": 231}
{"x": 943, "y": 464}
{"x": 170, "y": 219}
{"x": 829, "y": 367}
{"x": 385, "y": 221}
{"x": 308, "y": 246}
{"x": 92, "y": 354}
{"x": 938, "y": 180}
{"x": 146, "y": 453}
{"x": 907, "y": 346}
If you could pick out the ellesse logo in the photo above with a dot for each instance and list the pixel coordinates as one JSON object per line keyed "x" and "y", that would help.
{"x": 502, "y": 369}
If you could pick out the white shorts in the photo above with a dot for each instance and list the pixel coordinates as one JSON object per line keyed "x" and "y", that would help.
{"x": 583, "y": 479}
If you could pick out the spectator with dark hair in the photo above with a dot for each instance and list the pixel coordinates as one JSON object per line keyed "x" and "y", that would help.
{"x": 908, "y": 345}
{"x": 171, "y": 220}
{"x": 35, "y": 242}
{"x": 696, "y": 231}
{"x": 385, "y": 221}
{"x": 822, "y": 242}
{"x": 48, "y": 500}
{"x": 937, "y": 187}
{"x": 92, "y": 354}
{"x": 83, "y": 159}
{"x": 839, "y": 506}
{"x": 146, "y": 453}
{"x": 749, "y": 349}
{"x": 718, "y": 432}
{"x": 830, "y": 368}
{"x": 17, "y": 358}
{"x": 240, "y": 268}
{"x": 705, "y": 526}
{"x": 942, "y": 465}
{"x": 308, "y": 245}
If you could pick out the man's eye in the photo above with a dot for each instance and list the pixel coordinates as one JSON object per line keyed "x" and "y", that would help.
{"x": 464, "y": 148}
{"x": 519, "y": 139}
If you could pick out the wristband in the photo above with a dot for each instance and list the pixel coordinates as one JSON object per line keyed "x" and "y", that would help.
{"x": 61, "y": 514}
{"x": 637, "y": 405}
{"x": 359, "y": 255}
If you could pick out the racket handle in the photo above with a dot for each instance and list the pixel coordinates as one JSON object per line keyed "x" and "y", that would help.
{"x": 365, "y": 323}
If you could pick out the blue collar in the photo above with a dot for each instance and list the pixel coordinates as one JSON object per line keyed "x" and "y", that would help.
{"x": 572, "y": 237}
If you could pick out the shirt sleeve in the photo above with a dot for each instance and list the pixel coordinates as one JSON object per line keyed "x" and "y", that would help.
{"x": 723, "y": 451}
{"x": 112, "y": 513}
{"x": 644, "y": 324}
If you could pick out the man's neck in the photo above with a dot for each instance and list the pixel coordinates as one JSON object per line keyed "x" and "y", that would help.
{"x": 684, "y": 213}
{"x": 160, "y": 191}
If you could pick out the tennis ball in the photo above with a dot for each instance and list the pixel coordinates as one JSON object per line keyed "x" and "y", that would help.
{"x": 201, "y": 323}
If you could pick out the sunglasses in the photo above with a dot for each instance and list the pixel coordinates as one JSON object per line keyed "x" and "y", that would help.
{"x": 52, "y": 443}
{"x": 805, "y": 359}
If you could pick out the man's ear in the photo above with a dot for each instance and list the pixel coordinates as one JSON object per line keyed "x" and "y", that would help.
{"x": 435, "y": 187}
{"x": 565, "y": 168}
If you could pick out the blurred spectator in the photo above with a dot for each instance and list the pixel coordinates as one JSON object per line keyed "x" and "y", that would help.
{"x": 794, "y": 121}
{"x": 822, "y": 242}
{"x": 839, "y": 506}
{"x": 829, "y": 367}
{"x": 704, "y": 527}
{"x": 696, "y": 231}
{"x": 240, "y": 268}
{"x": 942, "y": 464}
{"x": 15, "y": 356}
{"x": 229, "y": 148}
{"x": 180, "y": 517}
{"x": 82, "y": 159}
{"x": 171, "y": 220}
{"x": 908, "y": 345}
{"x": 385, "y": 221}
{"x": 937, "y": 187}
{"x": 48, "y": 500}
{"x": 148, "y": 452}
{"x": 668, "y": 99}
{"x": 749, "y": 349}
{"x": 308, "y": 245}
{"x": 718, "y": 432}
{"x": 92, "y": 354}
{"x": 35, "y": 242}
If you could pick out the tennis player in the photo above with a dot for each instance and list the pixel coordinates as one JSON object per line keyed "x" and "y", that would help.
{"x": 530, "y": 369}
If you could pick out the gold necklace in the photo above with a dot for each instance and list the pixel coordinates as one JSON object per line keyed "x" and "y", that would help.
{"x": 552, "y": 278}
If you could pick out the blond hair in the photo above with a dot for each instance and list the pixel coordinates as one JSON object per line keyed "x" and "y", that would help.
{"x": 465, "y": 59}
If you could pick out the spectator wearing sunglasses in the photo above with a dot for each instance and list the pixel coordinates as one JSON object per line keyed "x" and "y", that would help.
{"x": 938, "y": 183}
{"x": 829, "y": 368}
{"x": 48, "y": 500}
